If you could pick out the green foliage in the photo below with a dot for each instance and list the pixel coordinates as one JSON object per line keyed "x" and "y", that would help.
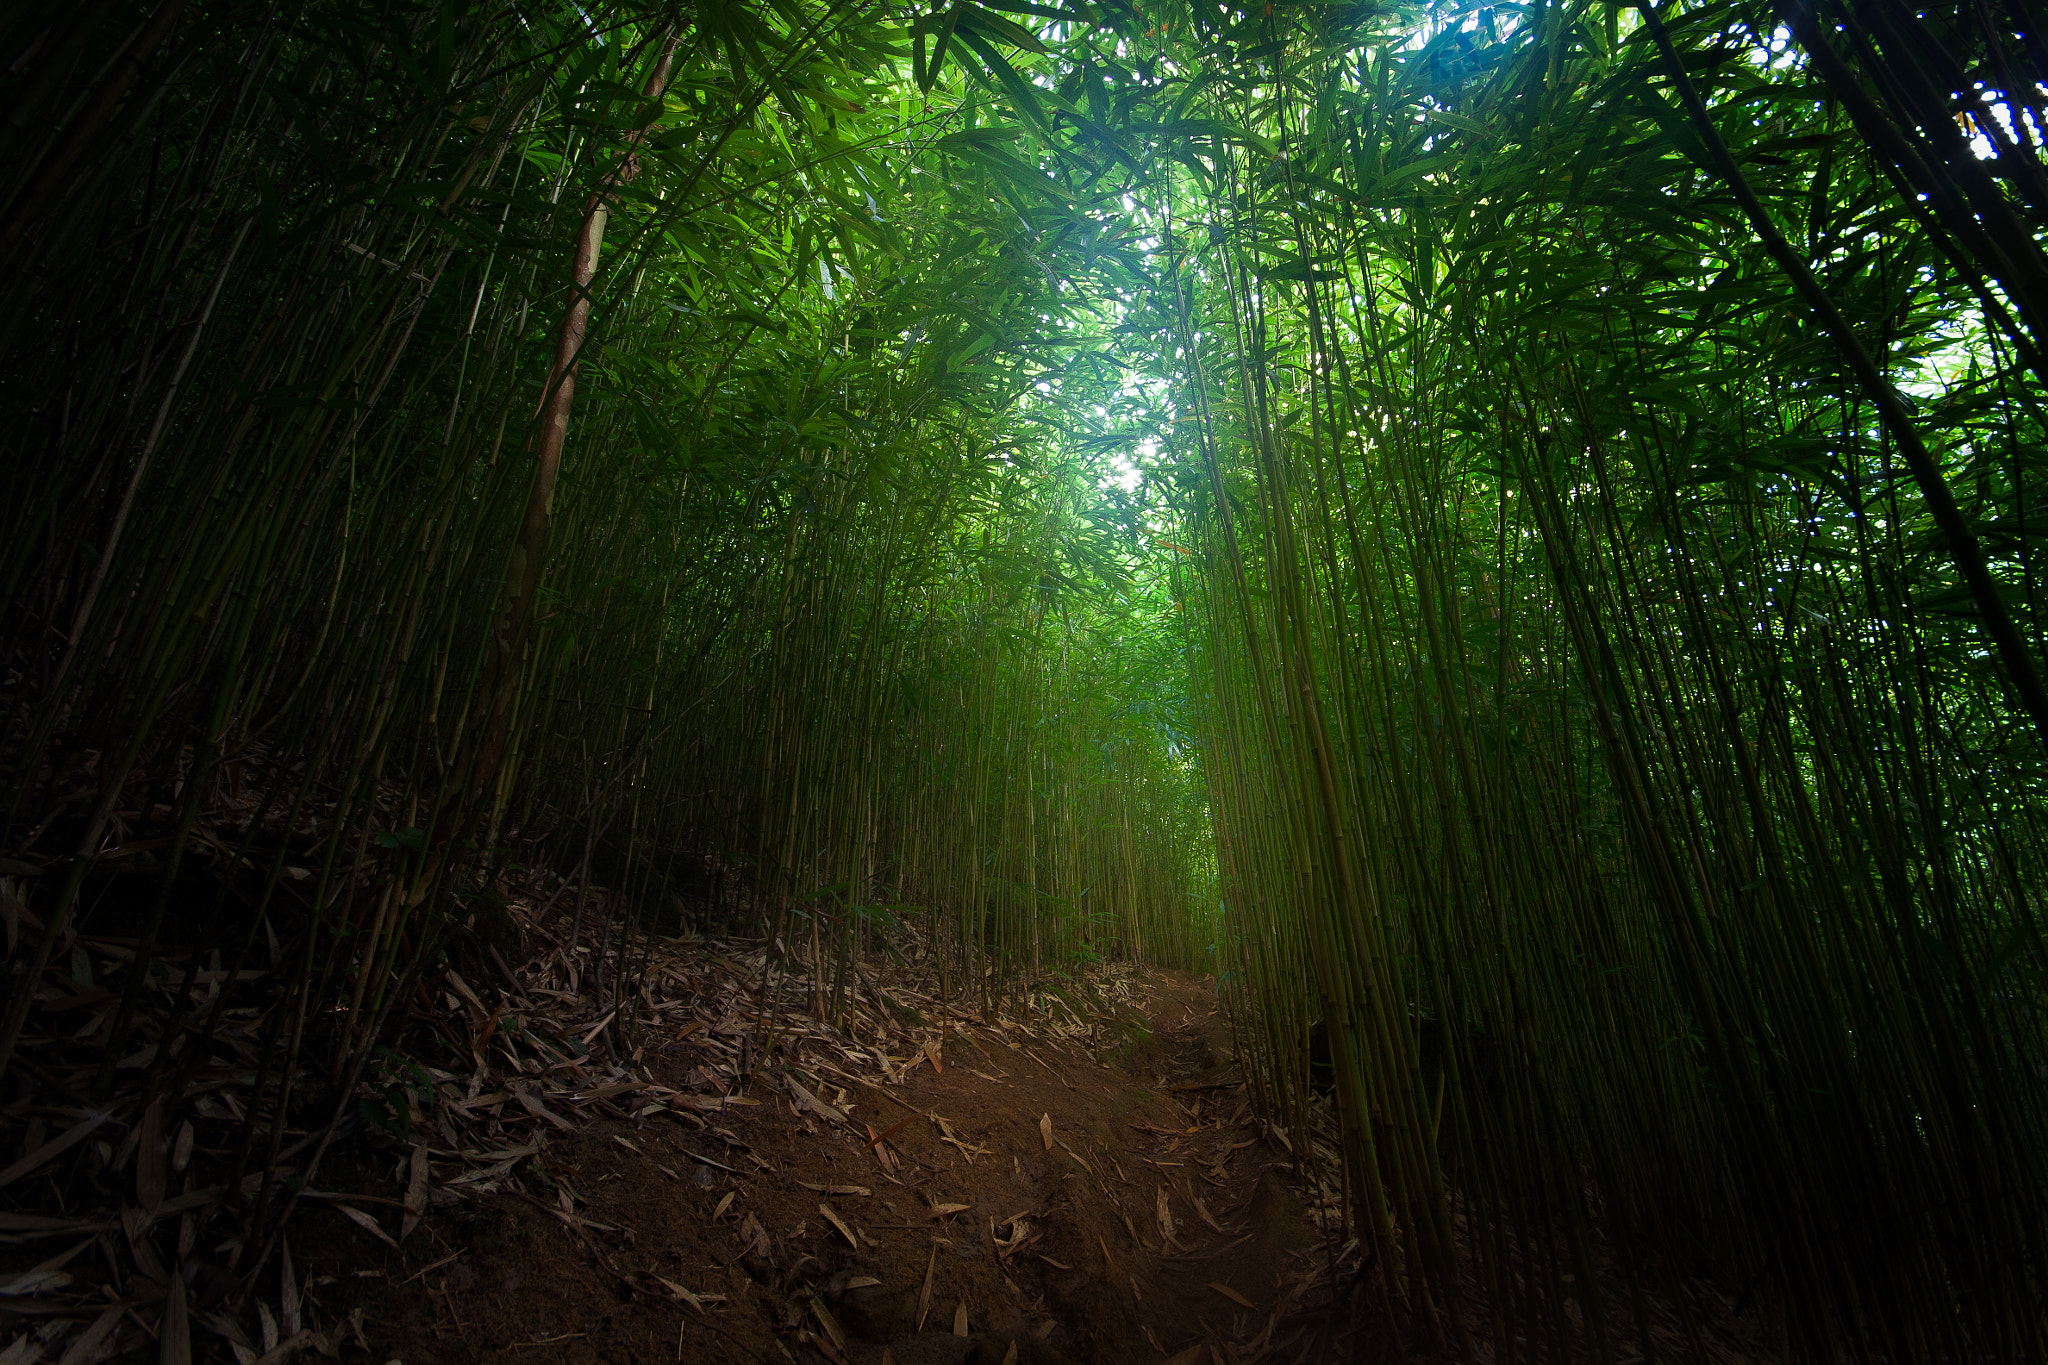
{"x": 1595, "y": 724}
{"x": 1333, "y": 495}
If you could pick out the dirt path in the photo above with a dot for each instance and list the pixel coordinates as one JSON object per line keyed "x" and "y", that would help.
{"x": 1063, "y": 1204}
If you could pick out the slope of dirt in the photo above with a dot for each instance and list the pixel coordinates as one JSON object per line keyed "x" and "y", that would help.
{"x": 651, "y": 1150}
{"x": 1092, "y": 1193}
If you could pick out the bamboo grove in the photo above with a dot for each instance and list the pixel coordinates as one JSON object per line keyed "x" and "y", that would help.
{"x": 1506, "y": 531}
{"x": 790, "y": 647}
{"x": 1604, "y": 728}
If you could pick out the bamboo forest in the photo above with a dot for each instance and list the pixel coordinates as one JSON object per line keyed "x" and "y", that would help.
{"x": 1381, "y": 658}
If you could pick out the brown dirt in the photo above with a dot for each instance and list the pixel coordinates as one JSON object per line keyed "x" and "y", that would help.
{"x": 1158, "y": 1223}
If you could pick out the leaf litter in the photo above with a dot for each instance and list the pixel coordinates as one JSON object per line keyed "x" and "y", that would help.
{"x": 671, "y": 1131}
{"x": 725, "y": 1069}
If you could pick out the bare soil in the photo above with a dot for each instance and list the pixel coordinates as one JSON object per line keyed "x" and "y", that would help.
{"x": 1036, "y": 1199}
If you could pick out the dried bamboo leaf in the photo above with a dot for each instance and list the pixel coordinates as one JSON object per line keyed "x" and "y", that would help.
{"x": 844, "y": 1231}
{"x": 805, "y": 1100}
{"x": 288, "y": 1348}
{"x": 287, "y": 1289}
{"x": 538, "y": 1110}
{"x": 366, "y": 1223}
{"x": 34, "y": 1282}
{"x": 415, "y": 1191}
{"x": 149, "y": 1156}
{"x": 829, "y": 1323}
{"x": 174, "y": 1328}
{"x": 38, "y": 1225}
{"x": 55, "y": 1147}
{"x": 462, "y": 989}
{"x": 1165, "y": 1219}
{"x": 696, "y": 1301}
{"x": 96, "y": 1343}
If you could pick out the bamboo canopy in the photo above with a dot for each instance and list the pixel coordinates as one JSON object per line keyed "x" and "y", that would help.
{"x": 1509, "y": 532}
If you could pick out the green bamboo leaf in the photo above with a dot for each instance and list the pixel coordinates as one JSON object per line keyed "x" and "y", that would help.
{"x": 997, "y": 29}
{"x": 1023, "y": 95}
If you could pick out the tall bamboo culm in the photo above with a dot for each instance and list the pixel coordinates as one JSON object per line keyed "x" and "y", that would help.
{"x": 1602, "y": 746}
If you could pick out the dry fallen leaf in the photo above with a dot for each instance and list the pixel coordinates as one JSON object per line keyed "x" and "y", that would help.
{"x": 888, "y": 1132}
{"x": 86, "y": 1347}
{"x": 174, "y": 1330}
{"x": 829, "y": 1323}
{"x": 685, "y": 1295}
{"x": 960, "y": 1319}
{"x": 541, "y": 1111}
{"x": 924, "y": 1296}
{"x": 1227, "y": 1292}
{"x": 367, "y": 1224}
{"x": 723, "y": 1205}
{"x": 861, "y": 1190}
{"x": 1166, "y": 1221}
{"x": 1020, "y": 1233}
{"x": 415, "y": 1191}
{"x": 837, "y": 1222}
{"x": 1045, "y": 1130}
{"x": 806, "y": 1100}
{"x": 288, "y": 1290}
{"x": 35, "y": 1282}
{"x": 878, "y": 1143}
{"x": 1010, "y": 1356}
{"x": 149, "y": 1157}
{"x": 946, "y": 1210}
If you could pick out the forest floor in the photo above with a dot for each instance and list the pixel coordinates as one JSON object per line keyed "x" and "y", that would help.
{"x": 655, "y": 1150}
{"x": 1039, "y": 1197}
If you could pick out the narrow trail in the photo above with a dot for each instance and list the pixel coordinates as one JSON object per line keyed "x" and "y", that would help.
{"x": 1036, "y": 1199}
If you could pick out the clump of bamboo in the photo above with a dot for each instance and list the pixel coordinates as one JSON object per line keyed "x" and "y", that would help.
{"x": 351, "y": 465}
{"x": 1598, "y": 732}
